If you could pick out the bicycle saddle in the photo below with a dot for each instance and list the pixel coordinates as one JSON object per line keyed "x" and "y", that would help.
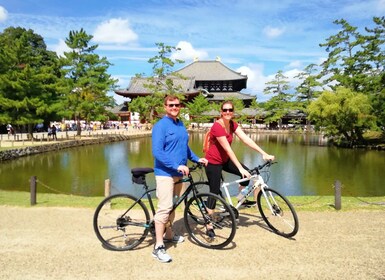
{"x": 140, "y": 171}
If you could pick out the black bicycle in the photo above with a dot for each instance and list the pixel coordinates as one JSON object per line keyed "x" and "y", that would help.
{"x": 122, "y": 221}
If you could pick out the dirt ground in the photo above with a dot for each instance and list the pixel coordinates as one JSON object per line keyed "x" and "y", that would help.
{"x": 59, "y": 243}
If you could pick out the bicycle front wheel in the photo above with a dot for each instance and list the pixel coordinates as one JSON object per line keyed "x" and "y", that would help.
{"x": 121, "y": 222}
{"x": 199, "y": 218}
{"x": 278, "y": 213}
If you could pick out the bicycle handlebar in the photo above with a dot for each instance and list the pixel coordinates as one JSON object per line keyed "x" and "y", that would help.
{"x": 256, "y": 170}
{"x": 196, "y": 166}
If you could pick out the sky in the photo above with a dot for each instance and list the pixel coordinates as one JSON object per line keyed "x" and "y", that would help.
{"x": 254, "y": 37}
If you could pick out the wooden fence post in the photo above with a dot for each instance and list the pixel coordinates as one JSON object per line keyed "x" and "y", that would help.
{"x": 337, "y": 195}
{"x": 107, "y": 191}
{"x": 107, "y": 187}
{"x": 33, "y": 190}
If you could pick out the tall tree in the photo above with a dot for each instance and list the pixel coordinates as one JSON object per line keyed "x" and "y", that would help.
{"x": 374, "y": 59}
{"x": 342, "y": 65}
{"x": 88, "y": 81}
{"x": 161, "y": 83}
{"x": 309, "y": 88}
{"x": 30, "y": 83}
{"x": 356, "y": 61}
{"x": 278, "y": 105}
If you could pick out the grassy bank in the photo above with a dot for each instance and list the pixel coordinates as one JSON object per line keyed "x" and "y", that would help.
{"x": 301, "y": 203}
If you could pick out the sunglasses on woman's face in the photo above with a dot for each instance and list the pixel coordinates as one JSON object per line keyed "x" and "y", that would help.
{"x": 227, "y": 110}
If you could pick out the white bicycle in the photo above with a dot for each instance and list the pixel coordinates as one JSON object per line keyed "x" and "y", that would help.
{"x": 275, "y": 208}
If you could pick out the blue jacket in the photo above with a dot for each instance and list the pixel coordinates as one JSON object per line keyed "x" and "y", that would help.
{"x": 170, "y": 147}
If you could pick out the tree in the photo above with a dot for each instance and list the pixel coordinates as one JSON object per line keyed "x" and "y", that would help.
{"x": 342, "y": 114}
{"x": 196, "y": 108}
{"x": 308, "y": 89}
{"x": 375, "y": 63}
{"x": 357, "y": 62}
{"x": 161, "y": 83}
{"x": 342, "y": 64}
{"x": 30, "y": 80}
{"x": 88, "y": 81}
{"x": 279, "y": 105}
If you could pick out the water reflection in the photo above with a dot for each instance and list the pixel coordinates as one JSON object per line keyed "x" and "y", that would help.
{"x": 305, "y": 166}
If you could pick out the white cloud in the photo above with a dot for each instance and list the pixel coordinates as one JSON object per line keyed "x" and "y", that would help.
{"x": 3, "y": 14}
{"x": 255, "y": 79}
{"x": 273, "y": 32}
{"x": 60, "y": 48}
{"x": 291, "y": 76}
{"x": 113, "y": 31}
{"x": 294, "y": 64}
{"x": 187, "y": 52}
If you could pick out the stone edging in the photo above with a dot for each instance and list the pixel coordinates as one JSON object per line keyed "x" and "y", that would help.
{"x": 37, "y": 149}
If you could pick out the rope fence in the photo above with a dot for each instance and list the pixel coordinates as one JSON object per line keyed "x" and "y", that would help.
{"x": 34, "y": 181}
{"x": 338, "y": 187}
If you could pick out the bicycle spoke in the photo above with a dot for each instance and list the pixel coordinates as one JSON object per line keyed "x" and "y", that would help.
{"x": 199, "y": 219}
{"x": 118, "y": 229}
{"x": 278, "y": 213}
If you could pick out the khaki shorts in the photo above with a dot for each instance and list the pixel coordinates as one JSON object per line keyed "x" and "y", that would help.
{"x": 165, "y": 192}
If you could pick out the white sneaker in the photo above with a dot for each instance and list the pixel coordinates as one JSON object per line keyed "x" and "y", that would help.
{"x": 175, "y": 239}
{"x": 161, "y": 255}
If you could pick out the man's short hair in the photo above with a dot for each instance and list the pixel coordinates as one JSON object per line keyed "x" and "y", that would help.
{"x": 170, "y": 98}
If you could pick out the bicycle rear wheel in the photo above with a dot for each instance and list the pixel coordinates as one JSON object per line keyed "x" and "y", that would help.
{"x": 121, "y": 223}
{"x": 282, "y": 218}
{"x": 221, "y": 219}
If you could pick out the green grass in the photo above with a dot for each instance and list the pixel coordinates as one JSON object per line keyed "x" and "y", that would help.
{"x": 301, "y": 203}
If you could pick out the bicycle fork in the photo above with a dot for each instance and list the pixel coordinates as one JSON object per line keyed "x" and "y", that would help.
{"x": 269, "y": 197}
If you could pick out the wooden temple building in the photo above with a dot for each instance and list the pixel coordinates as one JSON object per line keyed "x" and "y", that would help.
{"x": 206, "y": 76}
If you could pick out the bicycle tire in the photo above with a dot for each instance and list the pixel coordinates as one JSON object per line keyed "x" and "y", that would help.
{"x": 196, "y": 219}
{"x": 283, "y": 220}
{"x": 121, "y": 222}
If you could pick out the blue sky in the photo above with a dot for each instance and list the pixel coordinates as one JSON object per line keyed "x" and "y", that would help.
{"x": 254, "y": 37}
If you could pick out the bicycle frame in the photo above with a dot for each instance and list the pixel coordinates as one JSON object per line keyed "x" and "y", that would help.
{"x": 257, "y": 181}
{"x": 147, "y": 192}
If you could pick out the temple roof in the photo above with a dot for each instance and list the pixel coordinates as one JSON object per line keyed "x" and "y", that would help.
{"x": 210, "y": 70}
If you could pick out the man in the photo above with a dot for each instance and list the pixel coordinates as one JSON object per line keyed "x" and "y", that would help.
{"x": 171, "y": 152}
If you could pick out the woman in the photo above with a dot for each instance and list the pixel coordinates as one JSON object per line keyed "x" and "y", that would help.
{"x": 220, "y": 156}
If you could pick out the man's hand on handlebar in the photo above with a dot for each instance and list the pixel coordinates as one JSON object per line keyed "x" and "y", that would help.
{"x": 183, "y": 169}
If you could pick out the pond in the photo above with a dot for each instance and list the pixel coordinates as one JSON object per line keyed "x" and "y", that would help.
{"x": 305, "y": 167}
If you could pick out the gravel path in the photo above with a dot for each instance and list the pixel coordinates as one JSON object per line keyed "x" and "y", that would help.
{"x": 59, "y": 243}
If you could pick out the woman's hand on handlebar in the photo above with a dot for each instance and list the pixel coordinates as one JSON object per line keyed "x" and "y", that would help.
{"x": 267, "y": 157}
{"x": 203, "y": 161}
{"x": 245, "y": 173}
